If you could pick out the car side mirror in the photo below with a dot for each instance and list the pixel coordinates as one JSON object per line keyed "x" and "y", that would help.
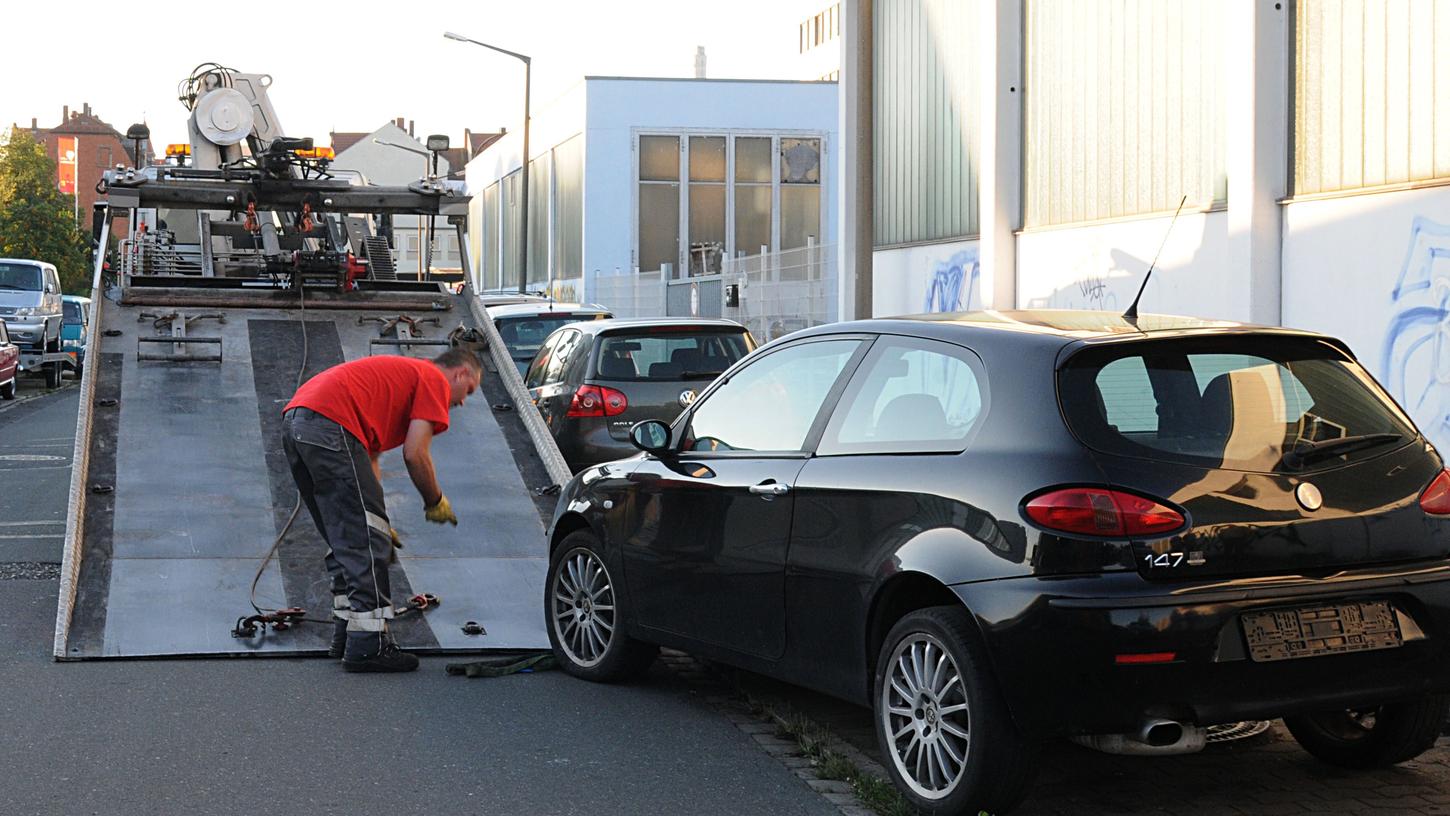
{"x": 651, "y": 436}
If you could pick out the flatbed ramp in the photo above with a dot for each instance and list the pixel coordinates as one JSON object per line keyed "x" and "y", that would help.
{"x": 181, "y": 486}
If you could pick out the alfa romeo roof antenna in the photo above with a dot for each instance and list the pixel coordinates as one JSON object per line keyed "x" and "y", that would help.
{"x": 1132, "y": 313}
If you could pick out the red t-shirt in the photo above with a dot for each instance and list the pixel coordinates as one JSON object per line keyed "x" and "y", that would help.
{"x": 375, "y": 398}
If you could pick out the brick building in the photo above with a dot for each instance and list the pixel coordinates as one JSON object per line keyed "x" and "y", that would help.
{"x": 91, "y": 146}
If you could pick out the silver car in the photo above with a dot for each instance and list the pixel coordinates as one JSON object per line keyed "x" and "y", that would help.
{"x": 30, "y": 303}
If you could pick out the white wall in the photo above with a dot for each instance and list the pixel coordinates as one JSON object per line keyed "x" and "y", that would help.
{"x": 1101, "y": 266}
{"x": 619, "y": 107}
{"x": 927, "y": 278}
{"x": 394, "y": 167}
{"x": 1374, "y": 270}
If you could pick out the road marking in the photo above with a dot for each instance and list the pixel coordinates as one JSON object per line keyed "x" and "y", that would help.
{"x": 38, "y": 535}
{"x": 28, "y": 523}
{"x": 30, "y": 457}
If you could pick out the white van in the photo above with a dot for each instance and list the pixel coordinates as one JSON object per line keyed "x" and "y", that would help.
{"x": 30, "y": 303}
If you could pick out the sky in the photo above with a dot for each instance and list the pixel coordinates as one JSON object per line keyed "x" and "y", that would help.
{"x": 356, "y": 65}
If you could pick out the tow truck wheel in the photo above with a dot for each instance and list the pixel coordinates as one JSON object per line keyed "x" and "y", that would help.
{"x": 52, "y": 375}
{"x": 586, "y": 615}
{"x": 7, "y": 391}
{"x": 1372, "y": 737}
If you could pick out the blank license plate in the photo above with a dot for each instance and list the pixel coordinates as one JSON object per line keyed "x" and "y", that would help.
{"x": 1321, "y": 630}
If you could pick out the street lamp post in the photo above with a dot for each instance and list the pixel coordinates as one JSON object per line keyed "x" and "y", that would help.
{"x": 524, "y": 217}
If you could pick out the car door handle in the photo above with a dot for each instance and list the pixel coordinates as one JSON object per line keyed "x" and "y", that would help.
{"x": 770, "y": 489}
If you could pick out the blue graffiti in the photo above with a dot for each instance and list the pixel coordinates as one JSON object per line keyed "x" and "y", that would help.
{"x": 1416, "y": 358}
{"x": 948, "y": 279}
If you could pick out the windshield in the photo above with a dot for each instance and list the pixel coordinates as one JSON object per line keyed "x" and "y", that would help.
{"x": 20, "y": 276}
{"x": 72, "y": 311}
{"x": 1263, "y": 404}
{"x": 524, "y": 336}
{"x": 675, "y": 355}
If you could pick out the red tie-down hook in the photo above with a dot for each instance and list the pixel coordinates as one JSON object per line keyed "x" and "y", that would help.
{"x": 250, "y": 222}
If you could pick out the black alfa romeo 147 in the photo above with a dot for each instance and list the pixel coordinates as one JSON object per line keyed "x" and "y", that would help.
{"x": 997, "y": 528}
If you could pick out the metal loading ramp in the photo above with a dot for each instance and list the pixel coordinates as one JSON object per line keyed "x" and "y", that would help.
{"x": 181, "y": 485}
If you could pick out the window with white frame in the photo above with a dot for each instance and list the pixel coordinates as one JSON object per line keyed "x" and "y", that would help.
{"x": 706, "y": 197}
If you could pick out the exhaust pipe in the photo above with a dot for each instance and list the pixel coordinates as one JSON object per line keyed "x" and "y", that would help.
{"x": 1155, "y": 737}
{"x": 1160, "y": 733}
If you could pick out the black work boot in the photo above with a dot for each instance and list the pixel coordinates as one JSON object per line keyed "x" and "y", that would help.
{"x": 367, "y": 652}
{"x": 339, "y": 640}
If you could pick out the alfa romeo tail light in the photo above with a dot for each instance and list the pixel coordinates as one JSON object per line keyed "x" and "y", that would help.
{"x": 1097, "y": 511}
{"x": 1436, "y": 498}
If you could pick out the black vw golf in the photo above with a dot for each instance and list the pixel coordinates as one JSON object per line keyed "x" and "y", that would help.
{"x": 997, "y": 528}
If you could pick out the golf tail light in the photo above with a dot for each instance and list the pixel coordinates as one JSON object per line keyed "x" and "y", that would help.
{"x": 1098, "y": 511}
{"x": 1436, "y": 498}
{"x": 597, "y": 401}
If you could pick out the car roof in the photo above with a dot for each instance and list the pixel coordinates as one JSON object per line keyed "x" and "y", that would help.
{"x": 75, "y": 298}
{"x": 1049, "y": 326}
{"x": 30, "y": 261}
{"x": 546, "y": 307}
{"x": 630, "y": 323}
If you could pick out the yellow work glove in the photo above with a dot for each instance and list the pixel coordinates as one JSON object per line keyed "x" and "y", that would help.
{"x": 397, "y": 545}
{"x": 441, "y": 513}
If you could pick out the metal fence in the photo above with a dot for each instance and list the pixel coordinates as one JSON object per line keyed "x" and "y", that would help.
{"x": 783, "y": 292}
{"x": 773, "y": 294}
{"x": 631, "y": 295}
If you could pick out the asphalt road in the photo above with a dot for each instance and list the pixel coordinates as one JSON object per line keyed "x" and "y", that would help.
{"x": 299, "y": 736}
{"x": 37, "y": 436}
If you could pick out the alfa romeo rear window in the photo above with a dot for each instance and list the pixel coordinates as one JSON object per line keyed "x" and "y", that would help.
{"x": 666, "y": 355}
{"x": 1263, "y": 403}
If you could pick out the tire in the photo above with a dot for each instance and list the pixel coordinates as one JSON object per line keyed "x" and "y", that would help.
{"x": 588, "y": 637}
{"x": 52, "y": 375}
{"x": 1372, "y": 737}
{"x": 950, "y": 744}
{"x": 7, "y": 391}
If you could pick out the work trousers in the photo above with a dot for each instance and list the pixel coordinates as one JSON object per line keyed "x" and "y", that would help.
{"x": 335, "y": 477}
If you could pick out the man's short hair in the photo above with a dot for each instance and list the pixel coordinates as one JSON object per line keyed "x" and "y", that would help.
{"x": 459, "y": 358}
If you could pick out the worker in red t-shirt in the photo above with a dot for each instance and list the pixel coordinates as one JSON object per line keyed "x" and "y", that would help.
{"x": 333, "y": 430}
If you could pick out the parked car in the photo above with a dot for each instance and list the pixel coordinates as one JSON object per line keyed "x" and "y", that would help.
{"x": 593, "y": 381}
{"x": 998, "y": 528}
{"x": 30, "y": 303}
{"x": 76, "y": 318}
{"x": 524, "y": 326}
{"x": 504, "y": 297}
{"x": 9, "y": 363}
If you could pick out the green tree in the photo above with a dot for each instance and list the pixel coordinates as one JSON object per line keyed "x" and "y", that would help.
{"x": 36, "y": 220}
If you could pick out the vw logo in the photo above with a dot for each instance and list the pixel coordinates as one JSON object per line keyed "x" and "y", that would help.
{"x": 687, "y": 398}
{"x": 1309, "y": 496}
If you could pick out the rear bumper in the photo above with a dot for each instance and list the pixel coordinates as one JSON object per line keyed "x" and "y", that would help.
{"x": 586, "y": 442}
{"x": 1054, "y": 646}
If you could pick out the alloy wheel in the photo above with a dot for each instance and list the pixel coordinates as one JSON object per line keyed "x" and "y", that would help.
{"x": 926, "y": 716}
{"x": 582, "y": 607}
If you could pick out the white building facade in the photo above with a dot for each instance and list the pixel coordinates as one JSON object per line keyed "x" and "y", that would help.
{"x": 381, "y": 161}
{"x": 1031, "y": 153}
{"x": 655, "y": 196}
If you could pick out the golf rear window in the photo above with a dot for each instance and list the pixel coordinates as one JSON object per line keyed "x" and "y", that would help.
{"x": 1254, "y": 403}
{"x": 668, "y": 355}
